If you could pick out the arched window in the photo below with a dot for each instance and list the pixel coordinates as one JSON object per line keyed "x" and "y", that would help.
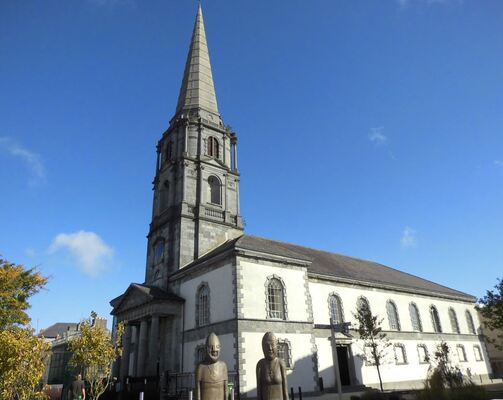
{"x": 213, "y": 147}
{"x": 276, "y": 307}
{"x": 415, "y": 319}
{"x": 203, "y": 305}
{"x": 454, "y": 320}
{"x": 469, "y": 322}
{"x": 461, "y": 352}
{"x": 158, "y": 251}
{"x": 393, "y": 319}
{"x": 214, "y": 188}
{"x": 400, "y": 354}
{"x": 284, "y": 352}
{"x": 435, "y": 320}
{"x": 362, "y": 304}
{"x": 422, "y": 352}
{"x": 335, "y": 306}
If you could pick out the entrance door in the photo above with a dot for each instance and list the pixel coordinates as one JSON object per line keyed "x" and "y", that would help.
{"x": 342, "y": 355}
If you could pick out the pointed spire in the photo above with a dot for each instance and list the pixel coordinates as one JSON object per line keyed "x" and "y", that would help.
{"x": 198, "y": 90}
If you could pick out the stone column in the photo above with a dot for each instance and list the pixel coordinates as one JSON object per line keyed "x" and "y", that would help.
{"x": 153, "y": 346}
{"x": 126, "y": 337}
{"x": 142, "y": 348}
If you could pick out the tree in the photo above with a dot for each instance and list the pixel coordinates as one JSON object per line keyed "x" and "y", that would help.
{"x": 491, "y": 308}
{"x": 22, "y": 363}
{"x": 17, "y": 284}
{"x": 22, "y": 355}
{"x": 94, "y": 351}
{"x": 374, "y": 339}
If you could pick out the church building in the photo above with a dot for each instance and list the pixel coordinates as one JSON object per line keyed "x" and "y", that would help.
{"x": 204, "y": 274}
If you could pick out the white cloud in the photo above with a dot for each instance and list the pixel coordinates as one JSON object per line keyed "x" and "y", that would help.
{"x": 30, "y": 159}
{"x": 377, "y": 136}
{"x": 409, "y": 238}
{"x": 91, "y": 253}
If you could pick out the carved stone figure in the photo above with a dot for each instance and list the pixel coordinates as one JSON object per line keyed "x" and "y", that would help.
{"x": 211, "y": 374}
{"x": 271, "y": 372}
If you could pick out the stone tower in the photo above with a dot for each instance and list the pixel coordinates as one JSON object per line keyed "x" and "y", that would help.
{"x": 196, "y": 184}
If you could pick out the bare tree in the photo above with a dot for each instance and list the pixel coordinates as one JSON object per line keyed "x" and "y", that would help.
{"x": 374, "y": 339}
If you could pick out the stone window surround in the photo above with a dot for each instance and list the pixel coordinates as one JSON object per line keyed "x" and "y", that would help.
{"x": 463, "y": 357}
{"x": 210, "y": 152}
{"x": 400, "y": 346}
{"x": 287, "y": 344}
{"x": 392, "y": 308}
{"x": 423, "y": 361}
{"x": 478, "y": 353}
{"x": 202, "y": 286}
{"x": 470, "y": 322}
{"x": 453, "y": 318}
{"x": 339, "y": 299}
{"x": 216, "y": 186}
{"x": 285, "y": 303}
{"x": 200, "y": 348}
{"x": 413, "y": 306}
{"x": 435, "y": 319}
{"x": 360, "y": 300}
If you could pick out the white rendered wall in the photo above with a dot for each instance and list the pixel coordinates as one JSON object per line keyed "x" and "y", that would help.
{"x": 391, "y": 372}
{"x": 226, "y": 353}
{"x": 221, "y": 295}
{"x": 254, "y": 278}
{"x": 378, "y": 298}
{"x": 301, "y": 374}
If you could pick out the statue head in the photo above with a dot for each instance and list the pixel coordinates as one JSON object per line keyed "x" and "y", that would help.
{"x": 270, "y": 346}
{"x": 212, "y": 348}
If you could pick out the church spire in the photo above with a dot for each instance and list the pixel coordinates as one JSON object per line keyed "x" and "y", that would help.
{"x": 198, "y": 90}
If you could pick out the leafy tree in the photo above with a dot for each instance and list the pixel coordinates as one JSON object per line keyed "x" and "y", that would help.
{"x": 374, "y": 339}
{"x": 491, "y": 308}
{"x": 94, "y": 351}
{"x": 22, "y": 355}
{"x": 17, "y": 284}
{"x": 22, "y": 363}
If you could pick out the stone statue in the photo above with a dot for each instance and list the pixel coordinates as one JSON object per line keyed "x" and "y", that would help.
{"x": 211, "y": 374}
{"x": 271, "y": 372}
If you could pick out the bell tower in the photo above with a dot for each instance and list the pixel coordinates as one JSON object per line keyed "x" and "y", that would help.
{"x": 196, "y": 184}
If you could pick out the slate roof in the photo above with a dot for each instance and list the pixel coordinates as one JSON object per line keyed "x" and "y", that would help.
{"x": 339, "y": 266}
{"x": 58, "y": 329}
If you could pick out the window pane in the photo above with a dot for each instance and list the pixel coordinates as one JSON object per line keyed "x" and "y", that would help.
{"x": 283, "y": 352}
{"x": 461, "y": 352}
{"x": 275, "y": 299}
{"x": 336, "y": 309}
{"x": 454, "y": 321}
{"x": 400, "y": 354}
{"x": 423, "y": 354}
{"x": 478, "y": 353}
{"x": 469, "y": 321}
{"x": 414, "y": 318}
{"x": 435, "y": 319}
{"x": 394, "y": 322}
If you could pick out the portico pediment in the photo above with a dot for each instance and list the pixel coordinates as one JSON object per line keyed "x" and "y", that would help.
{"x": 138, "y": 295}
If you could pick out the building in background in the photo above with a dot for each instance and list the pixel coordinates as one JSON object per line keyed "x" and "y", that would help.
{"x": 58, "y": 371}
{"x": 203, "y": 274}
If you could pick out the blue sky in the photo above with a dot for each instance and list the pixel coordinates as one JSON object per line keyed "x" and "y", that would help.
{"x": 368, "y": 128}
